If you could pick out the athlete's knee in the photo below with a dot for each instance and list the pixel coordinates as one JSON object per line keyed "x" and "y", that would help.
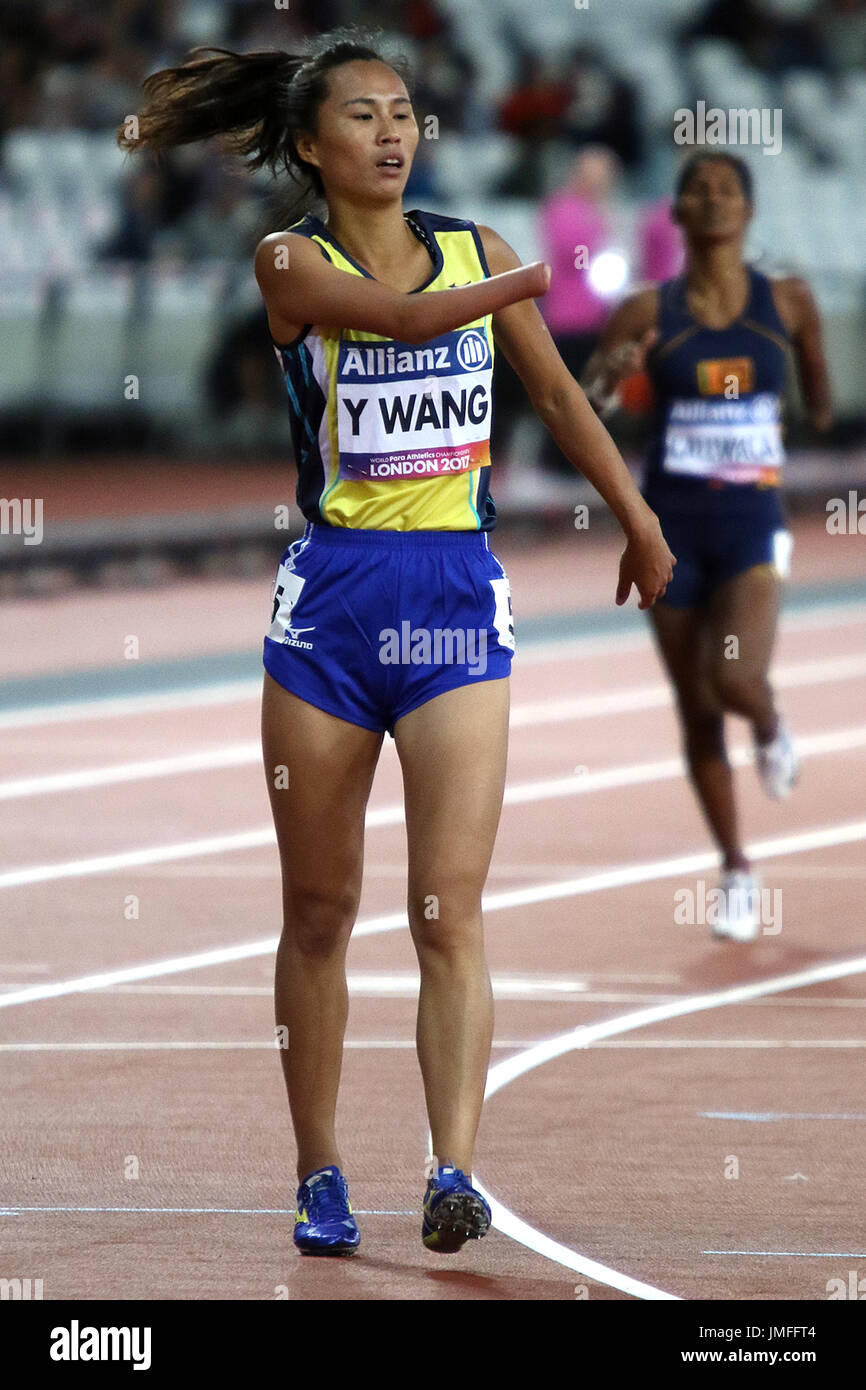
{"x": 703, "y": 731}
{"x": 319, "y": 921}
{"x": 742, "y": 691}
{"x": 447, "y": 922}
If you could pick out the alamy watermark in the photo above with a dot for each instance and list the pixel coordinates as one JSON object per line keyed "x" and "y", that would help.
{"x": 739, "y": 125}
{"x": 846, "y": 519}
{"x": 22, "y": 516}
{"x": 713, "y": 907}
{"x": 440, "y": 646}
{"x": 20, "y": 1290}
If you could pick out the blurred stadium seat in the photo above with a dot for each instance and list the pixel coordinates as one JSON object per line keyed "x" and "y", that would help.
{"x": 79, "y": 327}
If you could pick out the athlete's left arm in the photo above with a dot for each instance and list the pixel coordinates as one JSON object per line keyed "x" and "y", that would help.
{"x": 521, "y": 333}
{"x": 799, "y": 313}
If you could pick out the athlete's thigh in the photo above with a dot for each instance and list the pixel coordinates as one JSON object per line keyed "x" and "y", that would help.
{"x": 453, "y": 752}
{"x": 745, "y": 608}
{"x": 319, "y": 771}
{"x": 683, "y": 638}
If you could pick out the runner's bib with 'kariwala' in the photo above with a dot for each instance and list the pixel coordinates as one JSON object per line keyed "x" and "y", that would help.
{"x": 735, "y": 441}
{"x": 391, "y": 435}
{"x": 719, "y": 394}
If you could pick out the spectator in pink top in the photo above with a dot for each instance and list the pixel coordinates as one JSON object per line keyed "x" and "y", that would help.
{"x": 575, "y": 227}
{"x": 660, "y": 243}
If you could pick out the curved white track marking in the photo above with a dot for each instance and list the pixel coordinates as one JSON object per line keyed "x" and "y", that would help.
{"x": 503, "y": 1073}
{"x": 821, "y": 837}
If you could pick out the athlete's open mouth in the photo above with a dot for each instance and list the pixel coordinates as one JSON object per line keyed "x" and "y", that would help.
{"x": 393, "y": 161}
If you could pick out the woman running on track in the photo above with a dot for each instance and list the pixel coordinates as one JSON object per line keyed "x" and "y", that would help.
{"x": 716, "y": 341}
{"x": 391, "y": 613}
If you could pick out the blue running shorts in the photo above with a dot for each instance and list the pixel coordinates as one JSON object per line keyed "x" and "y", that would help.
{"x": 368, "y": 625}
{"x": 716, "y": 537}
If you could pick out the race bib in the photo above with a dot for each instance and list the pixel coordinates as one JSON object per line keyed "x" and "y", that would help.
{"x": 406, "y": 411}
{"x": 738, "y": 441}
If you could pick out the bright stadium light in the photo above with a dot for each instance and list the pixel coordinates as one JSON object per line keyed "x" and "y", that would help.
{"x": 608, "y": 273}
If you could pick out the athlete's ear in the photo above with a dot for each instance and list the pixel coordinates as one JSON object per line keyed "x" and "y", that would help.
{"x": 304, "y": 143}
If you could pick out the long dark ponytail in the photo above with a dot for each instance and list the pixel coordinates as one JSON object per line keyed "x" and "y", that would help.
{"x": 258, "y": 102}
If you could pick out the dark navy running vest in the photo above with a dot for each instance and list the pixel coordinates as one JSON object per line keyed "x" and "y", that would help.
{"x": 719, "y": 391}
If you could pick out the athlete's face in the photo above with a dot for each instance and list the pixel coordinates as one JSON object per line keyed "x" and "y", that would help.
{"x": 713, "y": 204}
{"x": 366, "y": 119}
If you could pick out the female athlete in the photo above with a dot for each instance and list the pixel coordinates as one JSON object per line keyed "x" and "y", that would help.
{"x": 391, "y": 613}
{"x": 715, "y": 342}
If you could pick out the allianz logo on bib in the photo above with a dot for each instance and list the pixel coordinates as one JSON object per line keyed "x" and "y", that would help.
{"x": 467, "y": 349}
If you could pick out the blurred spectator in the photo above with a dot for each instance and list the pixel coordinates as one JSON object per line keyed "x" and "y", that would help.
{"x": 841, "y": 25}
{"x": 24, "y": 50}
{"x": 153, "y": 199}
{"x": 444, "y": 84}
{"x": 250, "y": 24}
{"x": 660, "y": 243}
{"x": 603, "y": 107}
{"x": 532, "y": 112}
{"x": 575, "y": 226}
{"x": 771, "y": 41}
{"x": 226, "y": 224}
{"x": 245, "y": 391}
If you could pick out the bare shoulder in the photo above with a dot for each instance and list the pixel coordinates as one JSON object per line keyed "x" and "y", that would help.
{"x": 279, "y": 256}
{"x": 280, "y": 251}
{"x": 499, "y": 255}
{"x": 794, "y": 300}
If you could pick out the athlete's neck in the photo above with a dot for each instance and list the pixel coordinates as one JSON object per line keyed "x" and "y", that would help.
{"x": 376, "y": 237}
{"x": 715, "y": 268}
{"x": 717, "y": 284}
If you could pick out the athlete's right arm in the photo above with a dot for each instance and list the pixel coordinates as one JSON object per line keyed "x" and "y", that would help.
{"x": 300, "y": 286}
{"x": 626, "y": 339}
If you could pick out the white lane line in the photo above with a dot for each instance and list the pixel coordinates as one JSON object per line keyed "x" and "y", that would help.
{"x": 796, "y": 1254}
{"x": 503, "y": 1073}
{"x": 581, "y": 994}
{"x": 767, "y": 1116}
{"x": 206, "y": 760}
{"x": 185, "y": 1211}
{"x": 770, "y": 1044}
{"x": 125, "y": 706}
{"x": 523, "y": 793}
{"x": 522, "y": 716}
{"x": 657, "y": 696}
{"x": 269, "y": 1045}
{"x": 406, "y": 987}
{"x": 822, "y": 837}
{"x": 503, "y": 1044}
{"x": 397, "y": 984}
{"x": 237, "y": 691}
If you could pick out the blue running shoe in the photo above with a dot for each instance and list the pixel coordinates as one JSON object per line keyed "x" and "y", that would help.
{"x": 453, "y": 1212}
{"x": 324, "y": 1224}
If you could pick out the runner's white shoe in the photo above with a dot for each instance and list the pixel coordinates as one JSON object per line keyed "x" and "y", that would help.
{"x": 777, "y": 763}
{"x": 739, "y": 915}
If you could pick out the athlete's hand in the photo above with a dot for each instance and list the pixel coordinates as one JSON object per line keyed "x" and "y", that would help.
{"x": 629, "y": 358}
{"x": 647, "y": 563}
